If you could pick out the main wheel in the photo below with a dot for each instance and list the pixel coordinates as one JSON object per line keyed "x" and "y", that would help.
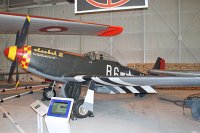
{"x": 79, "y": 111}
{"x": 48, "y": 93}
{"x": 195, "y": 109}
{"x": 73, "y": 90}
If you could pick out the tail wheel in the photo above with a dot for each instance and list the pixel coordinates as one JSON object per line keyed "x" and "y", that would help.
{"x": 73, "y": 90}
{"x": 79, "y": 111}
{"x": 48, "y": 93}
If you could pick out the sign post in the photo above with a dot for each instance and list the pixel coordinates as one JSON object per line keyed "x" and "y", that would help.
{"x": 57, "y": 119}
{"x": 41, "y": 111}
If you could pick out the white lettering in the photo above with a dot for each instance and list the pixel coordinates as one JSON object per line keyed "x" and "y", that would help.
{"x": 112, "y": 72}
{"x": 116, "y": 71}
{"x": 109, "y": 70}
{"x": 129, "y": 73}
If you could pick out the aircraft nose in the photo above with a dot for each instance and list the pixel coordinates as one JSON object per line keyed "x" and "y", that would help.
{"x": 23, "y": 55}
{"x": 6, "y": 51}
{"x": 10, "y": 52}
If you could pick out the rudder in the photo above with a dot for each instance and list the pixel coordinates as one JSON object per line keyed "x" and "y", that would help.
{"x": 159, "y": 64}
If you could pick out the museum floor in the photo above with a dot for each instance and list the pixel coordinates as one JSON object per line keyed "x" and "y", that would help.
{"x": 113, "y": 114}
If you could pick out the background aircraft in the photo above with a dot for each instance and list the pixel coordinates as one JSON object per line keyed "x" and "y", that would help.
{"x": 96, "y": 69}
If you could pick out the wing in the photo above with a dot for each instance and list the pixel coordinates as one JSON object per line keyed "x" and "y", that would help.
{"x": 143, "y": 80}
{"x": 10, "y": 23}
{"x": 176, "y": 73}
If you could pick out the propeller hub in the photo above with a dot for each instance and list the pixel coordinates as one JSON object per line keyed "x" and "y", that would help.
{"x": 11, "y": 52}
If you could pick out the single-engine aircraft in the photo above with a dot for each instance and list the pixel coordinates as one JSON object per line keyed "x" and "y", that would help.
{"x": 101, "y": 72}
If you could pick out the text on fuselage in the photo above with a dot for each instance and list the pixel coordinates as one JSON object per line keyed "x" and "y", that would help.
{"x": 115, "y": 71}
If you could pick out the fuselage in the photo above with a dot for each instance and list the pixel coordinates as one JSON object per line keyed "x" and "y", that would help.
{"x": 53, "y": 63}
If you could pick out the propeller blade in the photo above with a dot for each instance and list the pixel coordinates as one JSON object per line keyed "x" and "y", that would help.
{"x": 24, "y": 33}
{"x": 17, "y": 71}
{"x": 13, "y": 65}
{"x": 12, "y": 68}
{"x": 17, "y": 38}
{"x": 17, "y": 84}
{"x": 20, "y": 41}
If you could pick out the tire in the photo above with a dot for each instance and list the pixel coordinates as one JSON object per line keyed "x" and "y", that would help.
{"x": 72, "y": 90}
{"x": 48, "y": 93}
{"x": 79, "y": 111}
{"x": 195, "y": 110}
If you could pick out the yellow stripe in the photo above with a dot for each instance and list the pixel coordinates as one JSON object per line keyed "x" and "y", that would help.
{"x": 28, "y": 18}
{"x": 17, "y": 84}
{"x": 12, "y": 52}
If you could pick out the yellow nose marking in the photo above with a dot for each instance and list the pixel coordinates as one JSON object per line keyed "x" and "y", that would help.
{"x": 12, "y": 52}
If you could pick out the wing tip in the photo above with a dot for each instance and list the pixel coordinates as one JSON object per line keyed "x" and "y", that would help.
{"x": 111, "y": 31}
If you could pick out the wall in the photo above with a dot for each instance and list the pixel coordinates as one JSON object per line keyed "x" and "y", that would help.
{"x": 148, "y": 33}
{"x": 168, "y": 66}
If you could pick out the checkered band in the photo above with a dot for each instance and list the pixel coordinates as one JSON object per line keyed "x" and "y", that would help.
{"x": 26, "y": 57}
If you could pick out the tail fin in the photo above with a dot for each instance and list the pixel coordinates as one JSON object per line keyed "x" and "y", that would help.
{"x": 160, "y": 64}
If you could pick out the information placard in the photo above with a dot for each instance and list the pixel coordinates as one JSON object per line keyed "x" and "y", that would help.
{"x": 39, "y": 108}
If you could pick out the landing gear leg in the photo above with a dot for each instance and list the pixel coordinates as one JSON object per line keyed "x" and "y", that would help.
{"x": 84, "y": 108}
{"x": 49, "y": 92}
{"x": 79, "y": 111}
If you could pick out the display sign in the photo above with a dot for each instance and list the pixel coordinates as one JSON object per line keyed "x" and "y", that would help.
{"x": 39, "y": 108}
{"x": 57, "y": 119}
{"x": 59, "y": 107}
{"x": 85, "y": 6}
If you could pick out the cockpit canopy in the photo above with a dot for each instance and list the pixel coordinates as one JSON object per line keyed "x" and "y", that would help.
{"x": 98, "y": 55}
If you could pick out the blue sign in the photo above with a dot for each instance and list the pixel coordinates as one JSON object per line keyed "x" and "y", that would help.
{"x": 59, "y": 108}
